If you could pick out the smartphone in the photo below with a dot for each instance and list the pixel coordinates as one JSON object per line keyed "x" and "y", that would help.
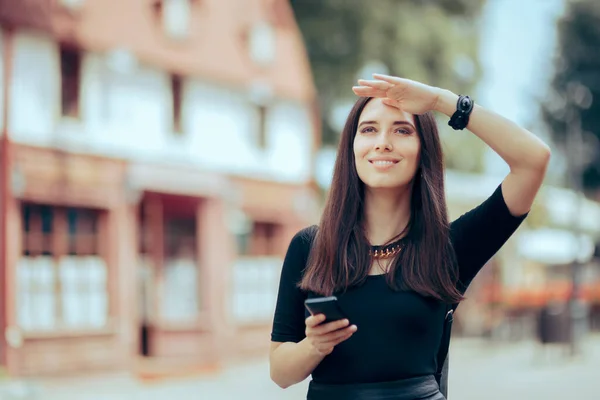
{"x": 325, "y": 305}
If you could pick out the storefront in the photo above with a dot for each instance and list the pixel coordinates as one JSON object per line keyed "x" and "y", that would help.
{"x": 113, "y": 264}
{"x": 210, "y": 253}
{"x": 184, "y": 251}
{"x": 64, "y": 225}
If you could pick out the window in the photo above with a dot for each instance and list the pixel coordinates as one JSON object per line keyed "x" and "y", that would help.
{"x": 176, "y": 92}
{"x": 62, "y": 279}
{"x": 255, "y": 276}
{"x": 82, "y": 232}
{"x": 261, "y": 127}
{"x": 70, "y": 71}
{"x": 263, "y": 239}
{"x": 260, "y": 240}
{"x": 255, "y": 283}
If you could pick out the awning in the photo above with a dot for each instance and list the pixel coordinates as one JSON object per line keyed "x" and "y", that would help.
{"x": 177, "y": 180}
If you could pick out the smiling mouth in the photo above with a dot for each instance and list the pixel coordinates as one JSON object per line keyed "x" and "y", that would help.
{"x": 383, "y": 163}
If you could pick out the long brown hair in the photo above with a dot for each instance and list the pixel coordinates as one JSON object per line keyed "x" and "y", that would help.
{"x": 340, "y": 257}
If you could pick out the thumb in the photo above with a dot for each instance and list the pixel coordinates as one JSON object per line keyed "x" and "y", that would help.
{"x": 315, "y": 320}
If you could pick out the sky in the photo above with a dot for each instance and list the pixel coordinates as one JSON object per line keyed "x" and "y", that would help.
{"x": 518, "y": 40}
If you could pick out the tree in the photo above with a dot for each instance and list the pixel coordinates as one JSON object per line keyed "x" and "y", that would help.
{"x": 433, "y": 41}
{"x": 575, "y": 88}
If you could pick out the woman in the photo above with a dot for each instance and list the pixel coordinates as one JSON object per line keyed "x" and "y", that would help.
{"x": 385, "y": 247}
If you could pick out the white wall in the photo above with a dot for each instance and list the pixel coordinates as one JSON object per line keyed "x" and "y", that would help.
{"x": 130, "y": 115}
{"x": 223, "y": 125}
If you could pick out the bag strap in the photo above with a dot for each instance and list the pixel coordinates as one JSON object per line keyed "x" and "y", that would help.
{"x": 441, "y": 374}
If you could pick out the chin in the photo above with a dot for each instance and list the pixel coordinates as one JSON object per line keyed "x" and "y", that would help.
{"x": 381, "y": 184}
{"x": 396, "y": 180}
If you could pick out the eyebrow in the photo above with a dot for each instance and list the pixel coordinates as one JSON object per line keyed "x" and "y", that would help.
{"x": 395, "y": 123}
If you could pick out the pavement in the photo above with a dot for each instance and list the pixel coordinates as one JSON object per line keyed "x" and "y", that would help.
{"x": 479, "y": 369}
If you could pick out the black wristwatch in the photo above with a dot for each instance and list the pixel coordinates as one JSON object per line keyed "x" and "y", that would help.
{"x": 460, "y": 118}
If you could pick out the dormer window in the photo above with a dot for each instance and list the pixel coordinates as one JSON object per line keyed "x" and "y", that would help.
{"x": 70, "y": 75}
{"x": 176, "y": 92}
{"x": 261, "y": 127}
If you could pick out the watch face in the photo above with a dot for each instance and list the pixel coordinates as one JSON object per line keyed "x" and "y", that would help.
{"x": 465, "y": 102}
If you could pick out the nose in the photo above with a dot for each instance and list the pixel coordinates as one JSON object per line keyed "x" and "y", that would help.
{"x": 383, "y": 143}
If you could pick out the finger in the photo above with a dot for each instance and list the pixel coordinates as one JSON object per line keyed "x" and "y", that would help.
{"x": 391, "y": 103}
{"x": 367, "y": 91}
{"x": 333, "y": 326}
{"x": 338, "y": 336}
{"x": 342, "y": 339}
{"x": 314, "y": 320}
{"x": 381, "y": 85}
{"x": 340, "y": 333}
{"x": 390, "y": 79}
{"x": 330, "y": 327}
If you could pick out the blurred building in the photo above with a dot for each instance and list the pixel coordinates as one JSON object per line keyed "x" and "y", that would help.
{"x": 157, "y": 159}
{"x": 533, "y": 269}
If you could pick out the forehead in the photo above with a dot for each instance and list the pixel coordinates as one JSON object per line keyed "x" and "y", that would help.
{"x": 375, "y": 110}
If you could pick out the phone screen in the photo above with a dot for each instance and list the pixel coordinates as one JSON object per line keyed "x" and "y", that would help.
{"x": 325, "y": 305}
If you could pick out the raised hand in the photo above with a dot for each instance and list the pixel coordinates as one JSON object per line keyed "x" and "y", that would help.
{"x": 410, "y": 96}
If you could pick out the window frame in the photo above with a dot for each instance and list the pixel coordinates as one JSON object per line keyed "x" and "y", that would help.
{"x": 56, "y": 244}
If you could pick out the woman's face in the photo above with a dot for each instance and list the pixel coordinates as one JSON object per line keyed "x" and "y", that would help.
{"x": 386, "y": 146}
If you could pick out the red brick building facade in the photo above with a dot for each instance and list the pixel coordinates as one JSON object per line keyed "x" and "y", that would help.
{"x": 134, "y": 225}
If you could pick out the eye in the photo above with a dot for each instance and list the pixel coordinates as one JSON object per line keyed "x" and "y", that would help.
{"x": 403, "y": 131}
{"x": 367, "y": 129}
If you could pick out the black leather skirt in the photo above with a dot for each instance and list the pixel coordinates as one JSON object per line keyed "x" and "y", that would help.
{"x": 420, "y": 388}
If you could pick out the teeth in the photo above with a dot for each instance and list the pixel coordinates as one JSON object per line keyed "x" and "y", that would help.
{"x": 384, "y": 162}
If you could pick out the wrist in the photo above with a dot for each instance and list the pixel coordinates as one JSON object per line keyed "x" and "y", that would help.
{"x": 311, "y": 350}
{"x": 446, "y": 102}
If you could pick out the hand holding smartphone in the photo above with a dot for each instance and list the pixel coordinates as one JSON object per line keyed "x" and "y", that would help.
{"x": 328, "y": 326}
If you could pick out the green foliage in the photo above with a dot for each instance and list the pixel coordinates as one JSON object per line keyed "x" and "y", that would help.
{"x": 577, "y": 63}
{"x": 433, "y": 41}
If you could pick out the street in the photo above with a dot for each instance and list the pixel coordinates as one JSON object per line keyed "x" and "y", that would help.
{"x": 479, "y": 370}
